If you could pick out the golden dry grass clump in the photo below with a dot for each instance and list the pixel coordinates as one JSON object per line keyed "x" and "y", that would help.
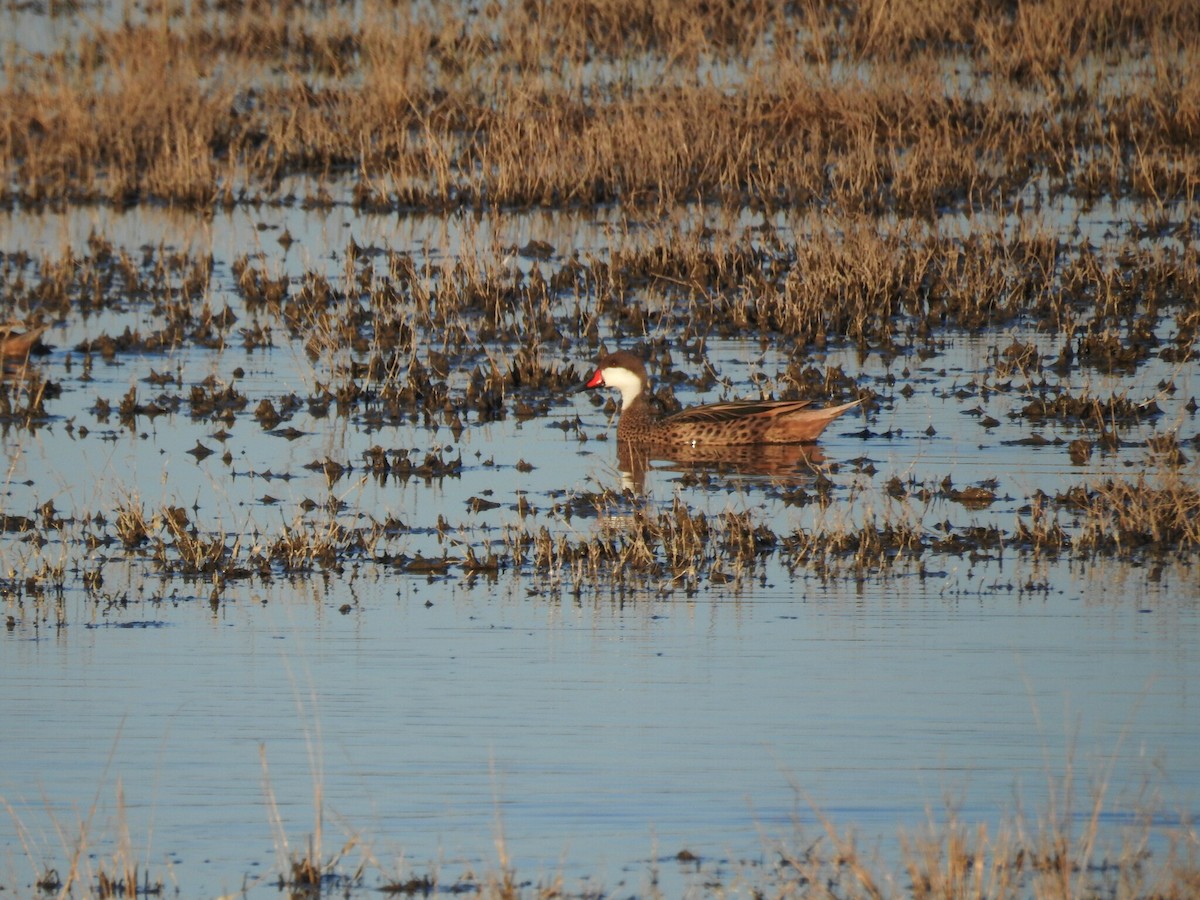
{"x": 876, "y": 107}
{"x": 1126, "y": 517}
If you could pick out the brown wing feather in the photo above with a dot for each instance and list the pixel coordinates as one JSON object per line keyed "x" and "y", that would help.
{"x": 735, "y": 409}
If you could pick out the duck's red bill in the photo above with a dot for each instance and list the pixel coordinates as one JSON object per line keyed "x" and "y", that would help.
{"x": 597, "y": 380}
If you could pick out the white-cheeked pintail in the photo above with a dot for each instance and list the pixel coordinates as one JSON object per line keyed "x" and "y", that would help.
{"x": 731, "y": 424}
{"x": 16, "y": 344}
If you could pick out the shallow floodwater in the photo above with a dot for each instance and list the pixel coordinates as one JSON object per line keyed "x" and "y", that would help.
{"x": 592, "y": 737}
{"x": 597, "y": 731}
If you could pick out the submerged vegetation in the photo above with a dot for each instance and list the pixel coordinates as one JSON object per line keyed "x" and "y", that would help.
{"x": 876, "y": 178}
{"x": 470, "y": 343}
{"x": 629, "y": 546}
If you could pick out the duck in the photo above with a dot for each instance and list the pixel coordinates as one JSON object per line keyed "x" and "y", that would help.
{"x": 16, "y": 344}
{"x": 731, "y": 424}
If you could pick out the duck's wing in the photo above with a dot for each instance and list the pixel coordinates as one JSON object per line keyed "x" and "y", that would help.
{"x": 734, "y": 410}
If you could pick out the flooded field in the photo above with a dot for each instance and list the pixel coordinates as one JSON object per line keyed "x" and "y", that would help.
{"x": 318, "y": 573}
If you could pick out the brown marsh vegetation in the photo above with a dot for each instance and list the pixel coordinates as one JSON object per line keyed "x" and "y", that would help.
{"x": 462, "y": 345}
{"x": 877, "y": 176}
{"x": 865, "y": 108}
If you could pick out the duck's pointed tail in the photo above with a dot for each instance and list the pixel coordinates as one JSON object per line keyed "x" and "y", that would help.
{"x": 806, "y": 425}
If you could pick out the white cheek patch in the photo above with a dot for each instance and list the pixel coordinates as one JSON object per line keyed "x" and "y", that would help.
{"x": 624, "y": 381}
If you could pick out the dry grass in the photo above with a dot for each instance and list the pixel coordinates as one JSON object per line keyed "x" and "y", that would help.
{"x": 392, "y": 340}
{"x": 1150, "y": 514}
{"x": 1056, "y": 855}
{"x": 754, "y": 102}
{"x": 98, "y": 865}
{"x": 622, "y": 545}
{"x": 1056, "y": 852}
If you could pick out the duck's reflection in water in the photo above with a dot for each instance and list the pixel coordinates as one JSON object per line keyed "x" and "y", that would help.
{"x": 791, "y": 463}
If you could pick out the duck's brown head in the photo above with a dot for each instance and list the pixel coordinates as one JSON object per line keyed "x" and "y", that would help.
{"x": 621, "y": 370}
